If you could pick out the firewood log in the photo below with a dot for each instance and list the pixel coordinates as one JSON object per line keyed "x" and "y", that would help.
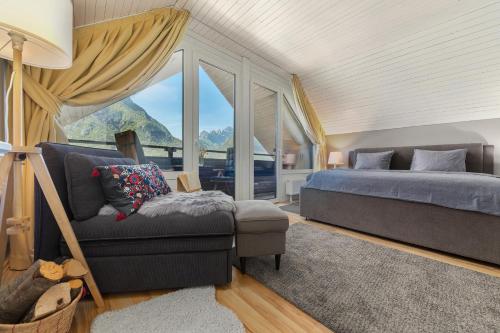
{"x": 53, "y": 300}
{"x": 50, "y": 271}
{"x": 73, "y": 269}
{"x": 17, "y": 297}
{"x": 76, "y": 286}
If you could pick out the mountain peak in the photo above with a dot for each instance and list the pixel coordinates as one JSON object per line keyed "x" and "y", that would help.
{"x": 217, "y": 139}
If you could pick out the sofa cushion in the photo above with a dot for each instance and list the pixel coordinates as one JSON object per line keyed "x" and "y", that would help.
{"x": 259, "y": 216}
{"x": 137, "y": 235}
{"x": 85, "y": 194}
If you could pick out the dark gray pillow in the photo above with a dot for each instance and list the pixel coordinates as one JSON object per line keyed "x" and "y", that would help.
{"x": 446, "y": 160}
{"x": 379, "y": 161}
{"x": 85, "y": 194}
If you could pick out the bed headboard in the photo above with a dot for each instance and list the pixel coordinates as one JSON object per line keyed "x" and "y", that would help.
{"x": 479, "y": 157}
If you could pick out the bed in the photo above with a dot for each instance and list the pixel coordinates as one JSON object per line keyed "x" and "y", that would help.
{"x": 465, "y": 232}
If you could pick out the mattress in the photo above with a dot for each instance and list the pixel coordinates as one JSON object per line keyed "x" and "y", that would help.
{"x": 475, "y": 192}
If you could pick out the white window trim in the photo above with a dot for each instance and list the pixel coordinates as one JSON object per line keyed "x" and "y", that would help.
{"x": 196, "y": 48}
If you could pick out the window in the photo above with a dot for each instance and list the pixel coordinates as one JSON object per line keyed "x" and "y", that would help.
{"x": 297, "y": 148}
{"x": 216, "y": 128}
{"x": 154, "y": 113}
{"x": 264, "y": 155}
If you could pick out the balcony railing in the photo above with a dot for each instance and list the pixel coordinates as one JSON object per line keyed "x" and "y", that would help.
{"x": 170, "y": 150}
{"x": 214, "y": 170}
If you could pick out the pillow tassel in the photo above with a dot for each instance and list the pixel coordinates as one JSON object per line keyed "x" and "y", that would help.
{"x": 121, "y": 216}
{"x": 95, "y": 173}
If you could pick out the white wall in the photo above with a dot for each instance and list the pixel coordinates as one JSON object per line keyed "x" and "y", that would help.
{"x": 477, "y": 131}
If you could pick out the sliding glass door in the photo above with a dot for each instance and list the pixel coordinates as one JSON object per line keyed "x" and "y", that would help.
{"x": 264, "y": 142}
{"x": 216, "y": 114}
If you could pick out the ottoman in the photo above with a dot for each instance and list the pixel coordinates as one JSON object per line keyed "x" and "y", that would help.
{"x": 260, "y": 230}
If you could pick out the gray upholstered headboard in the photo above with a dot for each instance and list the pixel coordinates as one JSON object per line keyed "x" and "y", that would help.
{"x": 479, "y": 157}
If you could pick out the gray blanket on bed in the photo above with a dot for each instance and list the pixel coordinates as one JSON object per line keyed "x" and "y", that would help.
{"x": 458, "y": 190}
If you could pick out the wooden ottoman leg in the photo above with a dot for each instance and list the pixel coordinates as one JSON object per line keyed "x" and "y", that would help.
{"x": 243, "y": 263}
{"x": 277, "y": 260}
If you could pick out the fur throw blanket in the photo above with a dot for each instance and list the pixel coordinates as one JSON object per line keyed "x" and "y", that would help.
{"x": 195, "y": 204}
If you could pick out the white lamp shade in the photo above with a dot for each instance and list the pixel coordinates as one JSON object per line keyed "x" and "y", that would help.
{"x": 47, "y": 26}
{"x": 336, "y": 158}
{"x": 289, "y": 159}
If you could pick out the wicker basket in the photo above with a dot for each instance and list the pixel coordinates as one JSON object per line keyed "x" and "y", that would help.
{"x": 59, "y": 322}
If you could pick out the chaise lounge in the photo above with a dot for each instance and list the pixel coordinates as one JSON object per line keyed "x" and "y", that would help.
{"x": 138, "y": 253}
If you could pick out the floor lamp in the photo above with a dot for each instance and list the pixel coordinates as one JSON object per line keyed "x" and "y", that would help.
{"x": 39, "y": 34}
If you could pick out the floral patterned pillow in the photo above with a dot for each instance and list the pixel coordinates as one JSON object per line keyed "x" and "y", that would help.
{"x": 126, "y": 187}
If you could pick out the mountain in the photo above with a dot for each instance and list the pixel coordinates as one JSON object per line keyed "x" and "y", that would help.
{"x": 119, "y": 117}
{"x": 125, "y": 114}
{"x": 219, "y": 139}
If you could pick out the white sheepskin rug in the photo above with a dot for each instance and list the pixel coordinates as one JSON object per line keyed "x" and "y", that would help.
{"x": 186, "y": 310}
{"x": 195, "y": 204}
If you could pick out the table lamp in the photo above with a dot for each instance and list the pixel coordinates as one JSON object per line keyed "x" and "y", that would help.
{"x": 35, "y": 33}
{"x": 335, "y": 158}
{"x": 289, "y": 160}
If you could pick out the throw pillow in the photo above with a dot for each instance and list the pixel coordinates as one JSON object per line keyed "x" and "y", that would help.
{"x": 85, "y": 194}
{"x": 126, "y": 187}
{"x": 379, "y": 161}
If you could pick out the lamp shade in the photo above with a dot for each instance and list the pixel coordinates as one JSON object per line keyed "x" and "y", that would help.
{"x": 47, "y": 26}
{"x": 289, "y": 159}
{"x": 336, "y": 158}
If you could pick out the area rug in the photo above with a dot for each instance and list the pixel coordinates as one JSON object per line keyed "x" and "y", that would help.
{"x": 291, "y": 208}
{"x": 351, "y": 285}
{"x": 186, "y": 310}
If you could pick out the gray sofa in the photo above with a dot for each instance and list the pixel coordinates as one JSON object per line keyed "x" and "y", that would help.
{"x": 138, "y": 253}
{"x": 469, "y": 234}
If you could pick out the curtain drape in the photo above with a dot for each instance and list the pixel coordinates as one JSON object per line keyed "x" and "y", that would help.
{"x": 311, "y": 117}
{"x": 111, "y": 60}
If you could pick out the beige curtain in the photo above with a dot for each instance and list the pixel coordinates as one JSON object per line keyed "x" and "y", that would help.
{"x": 111, "y": 60}
{"x": 310, "y": 115}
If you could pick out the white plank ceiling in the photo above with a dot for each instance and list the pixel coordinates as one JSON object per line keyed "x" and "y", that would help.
{"x": 365, "y": 64}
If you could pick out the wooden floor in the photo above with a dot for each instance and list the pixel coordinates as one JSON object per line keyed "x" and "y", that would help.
{"x": 259, "y": 308}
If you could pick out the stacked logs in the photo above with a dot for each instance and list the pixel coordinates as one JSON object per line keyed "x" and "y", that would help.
{"x": 41, "y": 290}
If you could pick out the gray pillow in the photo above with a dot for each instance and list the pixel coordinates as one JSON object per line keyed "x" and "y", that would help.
{"x": 85, "y": 194}
{"x": 380, "y": 161}
{"x": 447, "y": 160}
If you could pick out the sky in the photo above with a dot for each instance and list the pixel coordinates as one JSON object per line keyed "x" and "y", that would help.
{"x": 163, "y": 101}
